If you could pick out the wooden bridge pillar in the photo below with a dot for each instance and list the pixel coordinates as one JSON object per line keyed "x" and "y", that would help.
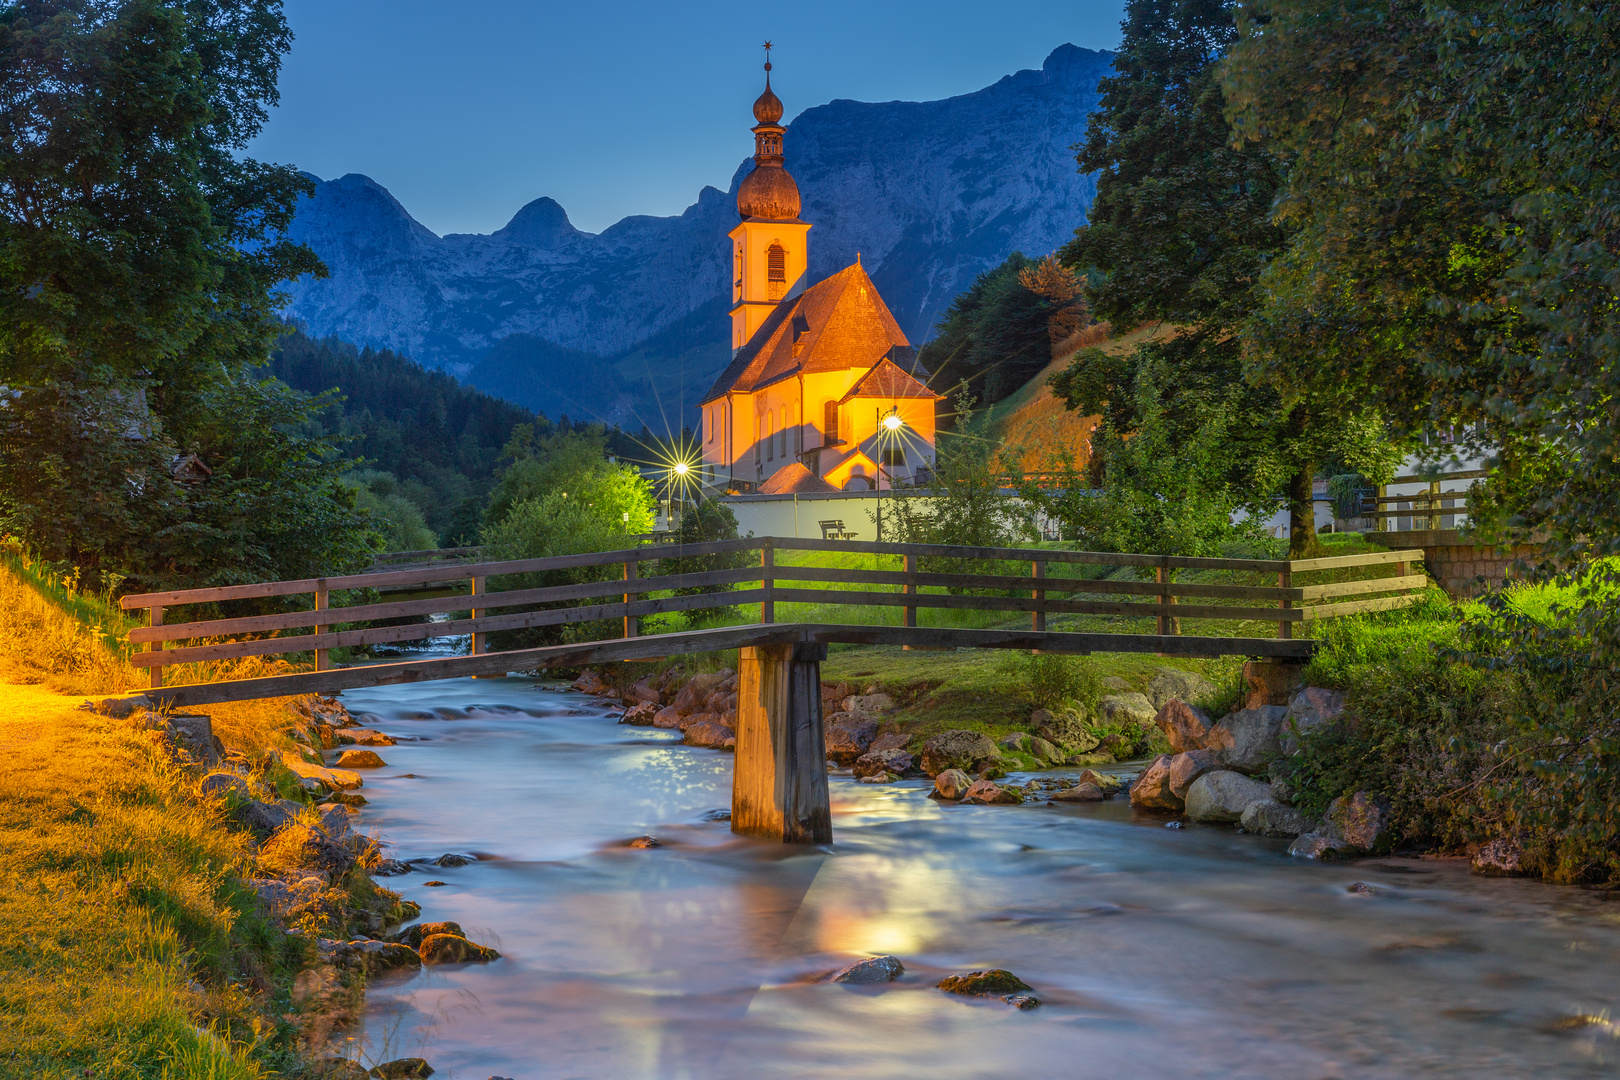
{"x": 779, "y": 788}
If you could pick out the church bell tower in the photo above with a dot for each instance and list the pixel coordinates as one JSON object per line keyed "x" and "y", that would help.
{"x": 768, "y": 248}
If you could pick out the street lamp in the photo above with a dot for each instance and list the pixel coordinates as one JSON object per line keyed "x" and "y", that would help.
{"x": 888, "y": 432}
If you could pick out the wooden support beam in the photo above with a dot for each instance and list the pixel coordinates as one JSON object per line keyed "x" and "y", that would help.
{"x": 767, "y": 560}
{"x": 1285, "y": 580}
{"x": 779, "y": 783}
{"x": 1037, "y": 618}
{"x": 632, "y": 625}
{"x": 154, "y": 617}
{"x": 323, "y": 600}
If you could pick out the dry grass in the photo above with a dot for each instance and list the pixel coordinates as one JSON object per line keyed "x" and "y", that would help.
{"x": 126, "y": 944}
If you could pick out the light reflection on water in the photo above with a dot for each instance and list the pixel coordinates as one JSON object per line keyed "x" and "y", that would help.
{"x": 1197, "y": 952}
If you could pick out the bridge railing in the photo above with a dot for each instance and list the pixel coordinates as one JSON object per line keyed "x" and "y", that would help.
{"x": 472, "y": 612}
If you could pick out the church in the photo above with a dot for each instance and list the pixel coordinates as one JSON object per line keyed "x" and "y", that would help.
{"x": 823, "y": 392}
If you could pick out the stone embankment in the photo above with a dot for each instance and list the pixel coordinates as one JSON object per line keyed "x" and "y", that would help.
{"x": 312, "y": 872}
{"x": 1220, "y": 772}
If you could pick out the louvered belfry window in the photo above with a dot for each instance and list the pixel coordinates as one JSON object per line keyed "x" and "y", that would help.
{"x": 776, "y": 263}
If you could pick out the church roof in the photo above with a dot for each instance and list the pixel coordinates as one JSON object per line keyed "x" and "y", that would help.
{"x": 887, "y": 380}
{"x": 794, "y": 479}
{"x": 834, "y": 325}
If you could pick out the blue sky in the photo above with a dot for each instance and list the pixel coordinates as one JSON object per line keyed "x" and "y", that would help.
{"x": 612, "y": 107}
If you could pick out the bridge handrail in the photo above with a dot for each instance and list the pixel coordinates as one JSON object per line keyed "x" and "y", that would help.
{"x": 1041, "y": 594}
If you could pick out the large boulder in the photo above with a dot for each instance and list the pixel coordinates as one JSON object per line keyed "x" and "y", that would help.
{"x": 1152, "y": 789}
{"x": 990, "y": 793}
{"x": 1017, "y": 741}
{"x": 1249, "y": 740}
{"x": 193, "y": 736}
{"x": 1130, "y": 709}
{"x": 304, "y": 847}
{"x": 875, "y": 969}
{"x": 878, "y": 762}
{"x": 378, "y": 957}
{"x": 869, "y": 704}
{"x": 713, "y": 734}
{"x": 1185, "y": 727}
{"x": 640, "y": 715}
{"x": 319, "y": 775}
{"x": 893, "y": 740}
{"x": 1502, "y": 857}
{"x": 1311, "y": 708}
{"x": 1066, "y": 728}
{"x": 643, "y": 693}
{"x": 848, "y": 737}
{"x": 1268, "y": 817}
{"x": 952, "y": 784}
{"x": 1079, "y": 793}
{"x": 262, "y": 819}
{"x": 970, "y": 751}
{"x": 1108, "y": 783}
{"x": 696, "y": 691}
{"x": 994, "y": 981}
{"x": 454, "y": 949}
{"x": 668, "y": 717}
{"x": 1360, "y": 820}
{"x": 223, "y": 785}
{"x": 360, "y": 759}
{"x": 1185, "y": 768}
{"x": 1223, "y": 796}
{"x": 1045, "y": 752}
{"x": 1174, "y": 684}
{"x": 590, "y": 682}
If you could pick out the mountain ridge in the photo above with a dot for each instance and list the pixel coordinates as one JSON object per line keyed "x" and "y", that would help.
{"x": 930, "y": 194}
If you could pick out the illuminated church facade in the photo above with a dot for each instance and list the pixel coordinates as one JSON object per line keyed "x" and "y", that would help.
{"x": 823, "y": 392}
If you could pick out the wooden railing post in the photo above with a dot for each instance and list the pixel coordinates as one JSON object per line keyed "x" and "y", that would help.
{"x": 631, "y": 629}
{"x": 1161, "y": 574}
{"x": 1037, "y": 619}
{"x": 911, "y": 589}
{"x": 1434, "y": 503}
{"x": 767, "y": 560}
{"x": 154, "y": 617}
{"x": 480, "y": 587}
{"x": 323, "y": 601}
{"x": 1285, "y": 580}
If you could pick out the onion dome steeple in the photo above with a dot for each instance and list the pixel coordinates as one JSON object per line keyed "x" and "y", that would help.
{"x": 768, "y": 192}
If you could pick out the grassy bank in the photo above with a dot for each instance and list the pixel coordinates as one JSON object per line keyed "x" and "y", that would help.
{"x": 131, "y": 943}
{"x": 1481, "y": 721}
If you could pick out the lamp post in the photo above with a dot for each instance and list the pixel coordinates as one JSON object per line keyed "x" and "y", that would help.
{"x": 888, "y": 431}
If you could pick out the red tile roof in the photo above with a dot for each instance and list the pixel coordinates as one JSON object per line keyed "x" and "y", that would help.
{"x": 887, "y": 380}
{"x": 794, "y": 479}
{"x": 834, "y": 325}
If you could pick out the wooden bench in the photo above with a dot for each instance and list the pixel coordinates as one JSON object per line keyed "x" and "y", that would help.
{"x": 833, "y": 530}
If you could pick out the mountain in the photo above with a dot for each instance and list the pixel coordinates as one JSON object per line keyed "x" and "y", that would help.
{"x": 930, "y": 194}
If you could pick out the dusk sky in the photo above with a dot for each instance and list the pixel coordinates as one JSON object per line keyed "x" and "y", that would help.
{"x": 468, "y": 112}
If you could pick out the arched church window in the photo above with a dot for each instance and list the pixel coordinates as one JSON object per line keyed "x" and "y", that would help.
{"x": 829, "y": 427}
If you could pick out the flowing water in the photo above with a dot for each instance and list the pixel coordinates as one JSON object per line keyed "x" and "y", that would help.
{"x": 1197, "y": 952}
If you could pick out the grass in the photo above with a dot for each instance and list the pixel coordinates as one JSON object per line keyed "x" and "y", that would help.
{"x": 130, "y": 944}
{"x": 128, "y": 947}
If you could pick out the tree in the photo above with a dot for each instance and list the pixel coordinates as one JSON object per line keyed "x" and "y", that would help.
{"x": 1179, "y": 233}
{"x": 1001, "y": 332}
{"x": 138, "y": 257}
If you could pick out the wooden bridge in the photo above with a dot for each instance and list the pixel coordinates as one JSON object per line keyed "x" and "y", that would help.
{"x": 780, "y": 786}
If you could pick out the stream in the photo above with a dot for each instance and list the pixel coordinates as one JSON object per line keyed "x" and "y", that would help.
{"x": 1197, "y": 952}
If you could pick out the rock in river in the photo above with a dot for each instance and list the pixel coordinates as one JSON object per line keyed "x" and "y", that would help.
{"x": 988, "y": 793}
{"x": 412, "y": 936}
{"x": 1223, "y": 796}
{"x": 1185, "y": 768}
{"x": 714, "y": 733}
{"x": 403, "y": 1069}
{"x": 1185, "y": 727}
{"x": 874, "y": 762}
{"x": 1360, "y": 820}
{"x": 1249, "y": 740}
{"x": 848, "y": 736}
{"x": 1502, "y": 857}
{"x": 952, "y": 784}
{"x": 1268, "y": 817}
{"x": 992, "y": 981}
{"x": 454, "y": 949}
{"x": 304, "y": 847}
{"x": 1152, "y": 789}
{"x": 969, "y": 751}
{"x": 1317, "y": 846}
{"x": 876, "y": 969}
{"x": 640, "y": 715}
{"x": 1079, "y": 793}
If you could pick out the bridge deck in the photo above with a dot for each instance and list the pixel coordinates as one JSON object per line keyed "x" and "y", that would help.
{"x": 657, "y": 646}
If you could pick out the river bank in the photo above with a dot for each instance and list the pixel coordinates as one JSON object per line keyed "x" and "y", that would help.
{"x": 1196, "y": 951}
